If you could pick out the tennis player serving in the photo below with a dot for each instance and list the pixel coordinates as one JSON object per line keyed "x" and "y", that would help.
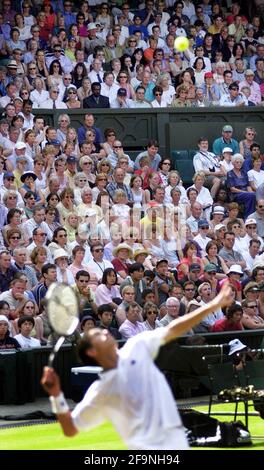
{"x": 131, "y": 393}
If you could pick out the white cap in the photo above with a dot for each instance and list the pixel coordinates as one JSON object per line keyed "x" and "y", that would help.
{"x": 91, "y": 26}
{"x": 250, "y": 222}
{"x": 4, "y": 318}
{"x": 20, "y": 146}
{"x": 218, "y": 210}
{"x": 227, "y": 149}
{"x": 90, "y": 212}
{"x": 60, "y": 253}
{"x": 219, "y": 226}
{"x": 235, "y": 345}
{"x": 235, "y": 268}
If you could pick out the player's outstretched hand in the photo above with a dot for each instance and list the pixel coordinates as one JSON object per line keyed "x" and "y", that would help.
{"x": 50, "y": 381}
{"x": 225, "y": 296}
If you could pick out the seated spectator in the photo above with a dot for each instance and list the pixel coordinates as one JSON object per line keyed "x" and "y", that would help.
{"x": 238, "y": 183}
{"x": 181, "y": 100}
{"x": 151, "y": 316}
{"x": 106, "y": 318}
{"x": 251, "y": 320}
{"x": 25, "y": 326}
{"x": 233, "y": 320}
{"x": 209, "y": 164}
{"x": 213, "y": 258}
{"x": 108, "y": 291}
{"x": 6, "y": 341}
{"x": 132, "y": 326}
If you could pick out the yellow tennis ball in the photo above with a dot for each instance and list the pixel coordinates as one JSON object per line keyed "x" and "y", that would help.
{"x": 181, "y": 43}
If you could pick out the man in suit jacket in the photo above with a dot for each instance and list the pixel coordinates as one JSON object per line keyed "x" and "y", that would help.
{"x": 96, "y": 100}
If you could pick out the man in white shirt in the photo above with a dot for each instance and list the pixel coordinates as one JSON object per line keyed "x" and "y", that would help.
{"x": 131, "y": 392}
{"x": 109, "y": 88}
{"x": 121, "y": 101}
{"x": 53, "y": 102}
{"x": 37, "y": 221}
{"x": 98, "y": 264}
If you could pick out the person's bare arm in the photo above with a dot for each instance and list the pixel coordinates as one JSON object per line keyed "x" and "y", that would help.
{"x": 51, "y": 384}
{"x": 182, "y": 324}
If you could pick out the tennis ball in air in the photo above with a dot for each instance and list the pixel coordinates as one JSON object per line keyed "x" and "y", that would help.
{"x": 181, "y": 43}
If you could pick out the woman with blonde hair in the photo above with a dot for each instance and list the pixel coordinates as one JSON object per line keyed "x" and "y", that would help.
{"x": 80, "y": 181}
{"x": 181, "y": 100}
{"x": 86, "y": 165}
{"x": 38, "y": 258}
{"x": 71, "y": 137}
{"x": 105, "y": 167}
{"x": 71, "y": 225}
{"x": 85, "y": 90}
{"x": 66, "y": 205}
{"x": 204, "y": 197}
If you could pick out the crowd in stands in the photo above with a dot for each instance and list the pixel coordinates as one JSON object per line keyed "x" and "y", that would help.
{"x": 64, "y": 54}
{"x": 137, "y": 245}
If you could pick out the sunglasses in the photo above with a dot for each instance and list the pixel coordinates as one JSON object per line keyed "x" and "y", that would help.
{"x": 106, "y": 164}
{"x": 152, "y": 312}
{"x": 12, "y": 197}
{"x": 83, "y": 281}
{"x": 158, "y": 94}
{"x": 32, "y": 68}
{"x": 62, "y": 235}
{"x": 205, "y": 228}
{"x": 189, "y": 290}
{"x": 118, "y": 146}
{"x": 260, "y": 207}
{"x": 72, "y": 92}
{"x": 15, "y": 238}
{"x": 83, "y": 181}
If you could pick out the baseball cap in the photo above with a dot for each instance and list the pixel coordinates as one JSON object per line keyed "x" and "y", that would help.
{"x": 162, "y": 261}
{"x": 91, "y": 26}
{"x": 235, "y": 345}
{"x": 249, "y": 72}
{"x": 5, "y": 319}
{"x": 12, "y": 64}
{"x": 122, "y": 92}
{"x": 210, "y": 267}
{"x": 72, "y": 38}
{"x": 90, "y": 213}
{"x": 219, "y": 226}
{"x": 203, "y": 223}
{"x": 235, "y": 268}
{"x": 250, "y": 222}
{"x": 20, "y": 146}
{"x": 208, "y": 75}
{"x": 218, "y": 210}
{"x": 227, "y": 128}
{"x": 71, "y": 159}
{"x": 8, "y": 174}
{"x": 55, "y": 142}
{"x": 195, "y": 267}
{"x": 227, "y": 149}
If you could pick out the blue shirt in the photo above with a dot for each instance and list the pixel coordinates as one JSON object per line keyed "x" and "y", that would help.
{"x": 81, "y": 131}
{"x": 220, "y": 144}
{"x": 237, "y": 182}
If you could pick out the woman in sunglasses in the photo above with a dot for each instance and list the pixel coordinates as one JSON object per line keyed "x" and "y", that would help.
{"x": 72, "y": 100}
{"x": 150, "y": 316}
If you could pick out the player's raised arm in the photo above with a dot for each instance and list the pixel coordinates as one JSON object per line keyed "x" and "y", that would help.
{"x": 179, "y": 326}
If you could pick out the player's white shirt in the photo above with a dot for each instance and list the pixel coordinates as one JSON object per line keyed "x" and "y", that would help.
{"x": 136, "y": 398}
